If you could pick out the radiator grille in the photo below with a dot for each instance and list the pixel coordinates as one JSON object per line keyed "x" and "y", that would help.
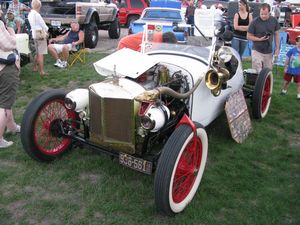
{"x": 112, "y": 122}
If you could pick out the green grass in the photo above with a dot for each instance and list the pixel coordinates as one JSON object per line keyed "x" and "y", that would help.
{"x": 256, "y": 182}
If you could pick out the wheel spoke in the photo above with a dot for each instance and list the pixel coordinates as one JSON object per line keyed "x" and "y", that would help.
{"x": 266, "y": 94}
{"x": 187, "y": 170}
{"x": 52, "y": 112}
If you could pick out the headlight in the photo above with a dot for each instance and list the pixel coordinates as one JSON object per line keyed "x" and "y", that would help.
{"x": 70, "y": 104}
{"x": 147, "y": 123}
{"x": 77, "y": 99}
{"x": 224, "y": 54}
{"x": 155, "y": 117}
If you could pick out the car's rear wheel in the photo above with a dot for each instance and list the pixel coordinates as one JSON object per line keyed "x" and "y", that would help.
{"x": 91, "y": 34}
{"x": 114, "y": 29}
{"x": 41, "y": 134}
{"x": 262, "y": 93}
{"x": 131, "y": 19}
{"x": 180, "y": 169}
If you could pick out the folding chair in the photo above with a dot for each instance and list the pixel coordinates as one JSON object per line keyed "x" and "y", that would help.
{"x": 78, "y": 55}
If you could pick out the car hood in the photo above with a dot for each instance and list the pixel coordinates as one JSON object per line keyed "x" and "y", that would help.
{"x": 135, "y": 64}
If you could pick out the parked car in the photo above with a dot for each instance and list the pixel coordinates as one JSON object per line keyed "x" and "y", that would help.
{"x": 130, "y": 10}
{"x": 91, "y": 16}
{"x": 150, "y": 113}
{"x": 166, "y": 18}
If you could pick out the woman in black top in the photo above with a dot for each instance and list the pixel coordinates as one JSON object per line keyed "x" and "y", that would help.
{"x": 240, "y": 23}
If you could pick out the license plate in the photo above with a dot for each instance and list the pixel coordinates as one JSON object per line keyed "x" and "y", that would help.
{"x": 135, "y": 163}
{"x": 55, "y": 23}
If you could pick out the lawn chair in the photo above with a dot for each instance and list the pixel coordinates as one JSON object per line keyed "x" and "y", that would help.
{"x": 78, "y": 55}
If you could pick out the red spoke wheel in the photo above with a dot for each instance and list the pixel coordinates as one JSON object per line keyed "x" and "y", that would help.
{"x": 41, "y": 126}
{"x": 262, "y": 93}
{"x": 180, "y": 169}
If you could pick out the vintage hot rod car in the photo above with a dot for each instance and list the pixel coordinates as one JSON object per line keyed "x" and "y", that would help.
{"x": 150, "y": 112}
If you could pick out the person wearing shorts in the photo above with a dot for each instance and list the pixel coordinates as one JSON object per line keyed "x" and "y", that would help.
{"x": 70, "y": 40}
{"x": 292, "y": 69}
{"x": 262, "y": 30}
{"x": 37, "y": 23}
{"x": 9, "y": 82}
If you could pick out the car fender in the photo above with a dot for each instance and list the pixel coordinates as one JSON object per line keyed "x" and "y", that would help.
{"x": 92, "y": 12}
{"x": 115, "y": 13}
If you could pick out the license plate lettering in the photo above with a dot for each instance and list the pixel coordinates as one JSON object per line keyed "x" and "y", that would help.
{"x": 135, "y": 163}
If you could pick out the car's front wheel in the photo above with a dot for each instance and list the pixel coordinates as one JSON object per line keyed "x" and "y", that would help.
{"x": 41, "y": 134}
{"x": 180, "y": 169}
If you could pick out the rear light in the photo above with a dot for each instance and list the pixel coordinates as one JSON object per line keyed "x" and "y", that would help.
{"x": 78, "y": 10}
{"x": 151, "y": 27}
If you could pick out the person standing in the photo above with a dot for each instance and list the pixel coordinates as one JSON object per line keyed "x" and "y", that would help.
{"x": 218, "y": 16}
{"x": 261, "y": 31}
{"x": 37, "y": 23}
{"x": 9, "y": 81}
{"x": 277, "y": 9}
{"x": 292, "y": 69}
{"x": 190, "y": 17}
{"x": 241, "y": 21}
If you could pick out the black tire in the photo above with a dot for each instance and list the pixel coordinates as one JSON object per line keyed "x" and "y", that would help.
{"x": 114, "y": 29}
{"x": 131, "y": 19}
{"x": 262, "y": 93}
{"x": 172, "y": 161}
{"x": 91, "y": 34}
{"x": 38, "y": 126}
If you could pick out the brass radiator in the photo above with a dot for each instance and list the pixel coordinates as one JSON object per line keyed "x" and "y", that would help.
{"x": 112, "y": 122}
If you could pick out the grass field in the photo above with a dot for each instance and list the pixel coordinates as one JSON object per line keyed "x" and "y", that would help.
{"x": 256, "y": 182}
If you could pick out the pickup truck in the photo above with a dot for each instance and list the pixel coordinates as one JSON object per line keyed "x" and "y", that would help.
{"x": 92, "y": 15}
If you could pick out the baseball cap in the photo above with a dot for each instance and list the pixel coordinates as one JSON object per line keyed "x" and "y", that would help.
{"x": 10, "y": 11}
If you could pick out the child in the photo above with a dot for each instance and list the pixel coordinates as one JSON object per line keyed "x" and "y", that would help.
{"x": 292, "y": 68}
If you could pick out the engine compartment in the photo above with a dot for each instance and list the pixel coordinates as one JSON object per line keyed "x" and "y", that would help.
{"x": 113, "y": 118}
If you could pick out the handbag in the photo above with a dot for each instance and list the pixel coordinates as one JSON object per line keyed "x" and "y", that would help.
{"x": 8, "y": 58}
{"x": 41, "y": 34}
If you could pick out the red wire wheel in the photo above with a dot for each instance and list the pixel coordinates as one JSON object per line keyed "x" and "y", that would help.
{"x": 187, "y": 169}
{"x": 47, "y": 125}
{"x": 262, "y": 94}
{"x": 41, "y": 134}
{"x": 180, "y": 169}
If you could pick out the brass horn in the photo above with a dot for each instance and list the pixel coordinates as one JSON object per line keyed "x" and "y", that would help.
{"x": 214, "y": 80}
